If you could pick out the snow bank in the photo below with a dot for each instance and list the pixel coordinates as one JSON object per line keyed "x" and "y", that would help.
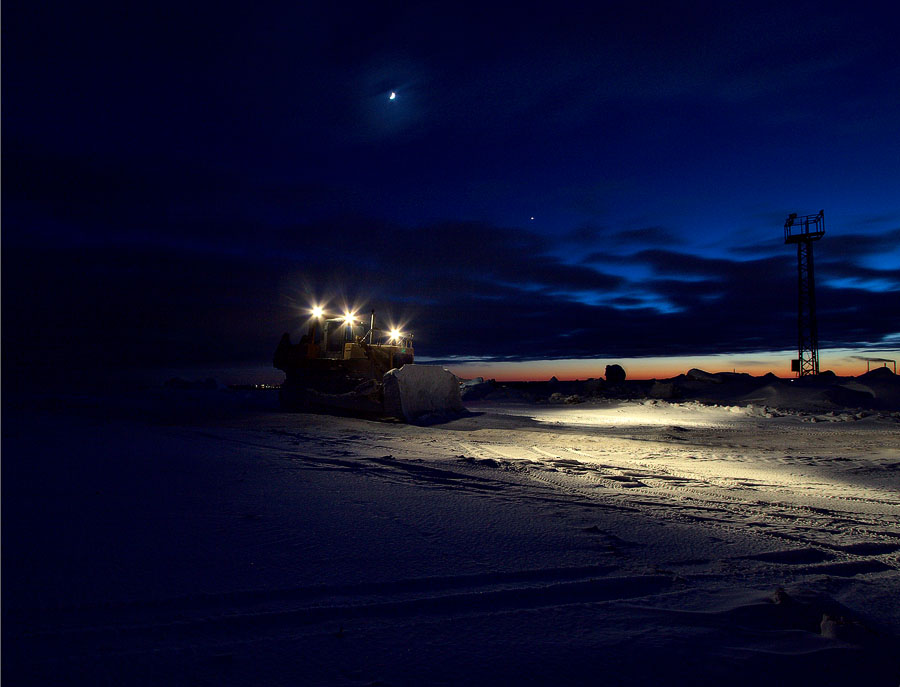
{"x": 702, "y": 376}
{"x": 473, "y": 389}
{"x": 415, "y": 391}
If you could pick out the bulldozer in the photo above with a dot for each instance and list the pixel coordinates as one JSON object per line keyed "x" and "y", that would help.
{"x": 343, "y": 366}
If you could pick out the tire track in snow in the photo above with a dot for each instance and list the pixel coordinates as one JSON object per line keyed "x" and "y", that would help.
{"x": 122, "y": 630}
{"x": 704, "y": 504}
{"x": 536, "y": 470}
{"x": 659, "y": 490}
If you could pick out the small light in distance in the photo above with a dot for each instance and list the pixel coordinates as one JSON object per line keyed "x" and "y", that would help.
{"x": 395, "y": 335}
{"x": 317, "y": 311}
{"x": 349, "y": 318}
{"x": 392, "y": 96}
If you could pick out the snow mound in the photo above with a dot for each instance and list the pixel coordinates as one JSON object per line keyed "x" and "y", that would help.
{"x": 416, "y": 391}
{"x": 799, "y": 396}
{"x": 702, "y": 376}
{"x": 474, "y": 389}
{"x": 879, "y": 373}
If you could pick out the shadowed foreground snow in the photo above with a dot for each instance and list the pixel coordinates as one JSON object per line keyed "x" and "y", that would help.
{"x": 204, "y": 538}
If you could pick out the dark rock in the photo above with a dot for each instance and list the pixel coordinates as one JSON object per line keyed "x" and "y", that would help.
{"x": 615, "y": 374}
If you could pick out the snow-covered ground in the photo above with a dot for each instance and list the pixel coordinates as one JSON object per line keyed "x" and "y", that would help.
{"x": 206, "y": 538}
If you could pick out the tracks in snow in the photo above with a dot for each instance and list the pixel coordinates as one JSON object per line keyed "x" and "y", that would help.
{"x": 739, "y": 505}
{"x": 222, "y": 619}
{"x": 684, "y": 482}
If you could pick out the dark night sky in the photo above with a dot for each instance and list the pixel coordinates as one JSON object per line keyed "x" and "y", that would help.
{"x": 181, "y": 182}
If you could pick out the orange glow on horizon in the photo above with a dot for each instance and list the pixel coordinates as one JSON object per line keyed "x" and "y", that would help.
{"x": 843, "y": 362}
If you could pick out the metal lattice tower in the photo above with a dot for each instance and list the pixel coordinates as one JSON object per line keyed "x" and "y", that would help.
{"x": 803, "y": 231}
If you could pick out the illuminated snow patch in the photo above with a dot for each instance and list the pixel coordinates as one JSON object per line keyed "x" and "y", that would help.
{"x": 646, "y": 413}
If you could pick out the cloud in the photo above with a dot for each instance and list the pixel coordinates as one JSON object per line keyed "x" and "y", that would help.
{"x": 853, "y": 247}
{"x": 617, "y": 241}
{"x": 165, "y": 275}
{"x": 465, "y": 290}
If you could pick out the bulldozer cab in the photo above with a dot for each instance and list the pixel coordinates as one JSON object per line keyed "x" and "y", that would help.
{"x": 348, "y": 341}
{"x": 342, "y": 340}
